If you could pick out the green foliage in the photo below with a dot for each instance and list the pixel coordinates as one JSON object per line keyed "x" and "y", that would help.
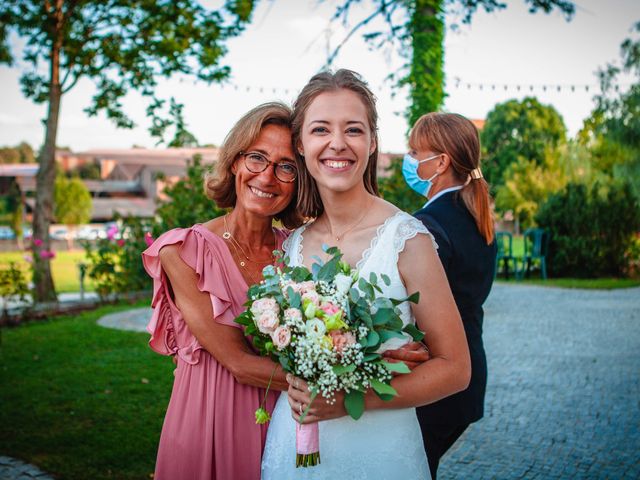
{"x": 88, "y": 171}
{"x": 613, "y": 129}
{"x": 592, "y": 230}
{"x": 83, "y": 401}
{"x": 394, "y": 189}
{"x": 72, "y": 201}
{"x": 517, "y": 130}
{"x": 22, "y": 153}
{"x": 120, "y": 45}
{"x": 13, "y": 284}
{"x": 426, "y": 74}
{"x": 186, "y": 202}
{"x": 115, "y": 263}
{"x": 416, "y": 30}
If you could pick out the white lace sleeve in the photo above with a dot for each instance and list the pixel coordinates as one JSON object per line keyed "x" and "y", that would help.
{"x": 408, "y": 228}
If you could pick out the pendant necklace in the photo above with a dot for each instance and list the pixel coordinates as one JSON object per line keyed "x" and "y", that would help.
{"x": 341, "y": 236}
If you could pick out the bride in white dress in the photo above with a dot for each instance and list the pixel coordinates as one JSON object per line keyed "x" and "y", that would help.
{"x": 334, "y": 131}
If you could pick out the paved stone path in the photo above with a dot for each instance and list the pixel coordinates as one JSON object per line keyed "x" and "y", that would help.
{"x": 563, "y": 397}
{"x": 133, "y": 320}
{"x": 12, "y": 469}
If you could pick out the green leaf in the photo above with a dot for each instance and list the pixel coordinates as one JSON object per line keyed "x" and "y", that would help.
{"x": 354, "y": 294}
{"x": 387, "y": 334}
{"x": 383, "y": 316}
{"x": 370, "y": 357}
{"x": 385, "y": 279}
{"x": 373, "y": 278}
{"x": 373, "y": 339}
{"x": 295, "y": 300}
{"x": 284, "y": 361}
{"x": 398, "y": 367}
{"x": 342, "y": 369}
{"x": 329, "y": 270}
{"x": 354, "y": 403}
{"x": 382, "y": 388}
{"x": 412, "y": 330}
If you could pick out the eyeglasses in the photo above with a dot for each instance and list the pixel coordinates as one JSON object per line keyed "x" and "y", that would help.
{"x": 257, "y": 163}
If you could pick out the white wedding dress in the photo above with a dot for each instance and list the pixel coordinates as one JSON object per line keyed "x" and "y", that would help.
{"x": 382, "y": 444}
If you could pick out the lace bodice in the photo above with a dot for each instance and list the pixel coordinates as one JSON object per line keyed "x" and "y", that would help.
{"x": 381, "y": 257}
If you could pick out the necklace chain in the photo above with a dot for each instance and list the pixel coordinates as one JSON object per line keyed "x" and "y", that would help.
{"x": 227, "y": 235}
{"x": 341, "y": 236}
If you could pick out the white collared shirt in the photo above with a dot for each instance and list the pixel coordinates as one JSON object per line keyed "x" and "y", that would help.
{"x": 439, "y": 194}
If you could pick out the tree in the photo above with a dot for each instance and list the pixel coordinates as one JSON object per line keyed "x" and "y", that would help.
{"x": 612, "y": 131}
{"x": 518, "y": 129}
{"x": 186, "y": 202}
{"x": 72, "y": 202}
{"x": 121, "y": 45}
{"x": 22, "y": 153}
{"x": 416, "y": 29}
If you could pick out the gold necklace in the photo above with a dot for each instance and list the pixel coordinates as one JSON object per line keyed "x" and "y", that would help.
{"x": 341, "y": 236}
{"x": 227, "y": 235}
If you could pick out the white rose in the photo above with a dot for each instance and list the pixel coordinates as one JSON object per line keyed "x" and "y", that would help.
{"x": 267, "y": 321}
{"x": 315, "y": 328}
{"x": 312, "y": 296}
{"x": 343, "y": 283}
{"x": 281, "y": 337}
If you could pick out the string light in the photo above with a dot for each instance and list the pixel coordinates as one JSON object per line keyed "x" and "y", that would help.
{"x": 456, "y": 84}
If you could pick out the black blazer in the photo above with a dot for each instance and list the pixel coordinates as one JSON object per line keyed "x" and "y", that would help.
{"x": 469, "y": 264}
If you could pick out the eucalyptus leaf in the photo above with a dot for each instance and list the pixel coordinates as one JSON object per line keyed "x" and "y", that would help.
{"x": 382, "y": 388}
{"x": 387, "y": 334}
{"x": 412, "y": 330}
{"x": 398, "y": 367}
{"x": 354, "y": 403}
{"x": 385, "y": 279}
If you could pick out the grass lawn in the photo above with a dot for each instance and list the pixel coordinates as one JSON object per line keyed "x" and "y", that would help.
{"x": 64, "y": 268}
{"x": 82, "y": 401}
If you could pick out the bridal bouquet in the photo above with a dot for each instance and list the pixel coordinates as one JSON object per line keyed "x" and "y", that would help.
{"x": 329, "y": 327}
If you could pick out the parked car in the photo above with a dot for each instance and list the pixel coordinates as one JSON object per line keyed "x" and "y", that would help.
{"x": 6, "y": 233}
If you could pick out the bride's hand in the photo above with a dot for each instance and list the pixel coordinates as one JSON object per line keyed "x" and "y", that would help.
{"x": 300, "y": 398}
{"x": 413, "y": 354}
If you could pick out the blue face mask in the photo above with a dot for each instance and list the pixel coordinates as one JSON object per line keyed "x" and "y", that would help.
{"x": 410, "y": 173}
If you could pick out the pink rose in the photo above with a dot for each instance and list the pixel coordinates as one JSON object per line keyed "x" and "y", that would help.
{"x": 329, "y": 308}
{"x": 120, "y": 242}
{"x": 312, "y": 296}
{"x": 267, "y": 321}
{"x": 341, "y": 340}
{"x": 263, "y": 305}
{"x": 37, "y": 242}
{"x": 281, "y": 337}
{"x": 292, "y": 315}
{"x": 307, "y": 286}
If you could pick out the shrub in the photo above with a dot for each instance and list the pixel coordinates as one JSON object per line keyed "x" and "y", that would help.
{"x": 13, "y": 286}
{"x": 115, "y": 262}
{"x": 592, "y": 230}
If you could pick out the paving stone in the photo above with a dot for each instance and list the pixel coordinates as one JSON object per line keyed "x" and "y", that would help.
{"x": 563, "y": 394}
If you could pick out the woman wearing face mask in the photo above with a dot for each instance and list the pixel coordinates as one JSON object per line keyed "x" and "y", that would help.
{"x": 335, "y": 135}
{"x": 444, "y": 166}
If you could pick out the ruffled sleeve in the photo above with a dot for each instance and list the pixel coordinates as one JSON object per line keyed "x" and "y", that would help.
{"x": 169, "y": 333}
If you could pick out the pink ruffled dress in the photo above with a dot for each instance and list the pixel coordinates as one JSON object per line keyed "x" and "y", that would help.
{"x": 209, "y": 430}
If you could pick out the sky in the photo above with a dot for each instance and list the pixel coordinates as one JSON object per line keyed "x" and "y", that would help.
{"x": 288, "y": 40}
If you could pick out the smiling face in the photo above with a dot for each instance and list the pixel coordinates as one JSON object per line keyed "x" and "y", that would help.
{"x": 262, "y": 193}
{"x": 336, "y": 140}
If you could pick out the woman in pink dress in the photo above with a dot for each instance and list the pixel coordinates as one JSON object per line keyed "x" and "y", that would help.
{"x": 201, "y": 275}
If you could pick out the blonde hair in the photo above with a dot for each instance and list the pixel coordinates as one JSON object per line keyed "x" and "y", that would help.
{"x": 309, "y": 201}
{"x": 220, "y": 185}
{"x": 458, "y": 137}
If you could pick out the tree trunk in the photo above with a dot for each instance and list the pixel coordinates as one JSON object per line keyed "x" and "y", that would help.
{"x": 44, "y": 289}
{"x": 426, "y": 76}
